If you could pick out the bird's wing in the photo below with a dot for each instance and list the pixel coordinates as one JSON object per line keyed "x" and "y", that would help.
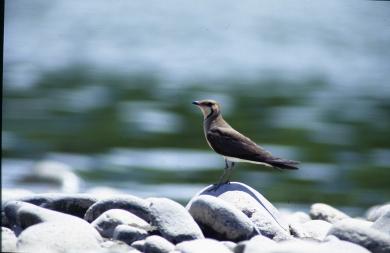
{"x": 229, "y": 142}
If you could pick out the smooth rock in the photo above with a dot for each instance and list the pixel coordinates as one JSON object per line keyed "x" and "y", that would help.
{"x": 59, "y": 237}
{"x": 255, "y": 206}
{"x": 327, "y": 213}
{"x": 117, "y": 246}
{"x": 173, "y": 221}
{"x": 229, "y": 244}
{"x": 139, "y": 245}
{"x": 383, "y": 223}
{"x": 26, "y": 214}
{"x": 253, "y": 245}
{"x": 360, "y": 232}
{"x": 202, "y": 246}
{"x": 158, "y": 244}
{"x": 376, "y": 212}
{"x": 298, "y": 217}
{"x": 128, "y": 203}
{"x": 8, "y": 240}
{"x": 105, "y": 224}
{"x": 220, "y": 219}
{"x": 129, "y": 234}
{"x": 317, "y": 229}
{"x": 73, "y": 204}
{"x": 305, "y": 246}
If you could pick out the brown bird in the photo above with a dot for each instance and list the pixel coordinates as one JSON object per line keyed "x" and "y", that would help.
{"x": 232, "y": 145}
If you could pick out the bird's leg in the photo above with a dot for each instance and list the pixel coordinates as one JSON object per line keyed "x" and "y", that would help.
{"x": 230, "y": 172}
{"x": 220, "y": 182}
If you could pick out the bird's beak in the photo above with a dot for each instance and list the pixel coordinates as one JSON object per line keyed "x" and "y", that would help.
{"x": 195, "y": 103}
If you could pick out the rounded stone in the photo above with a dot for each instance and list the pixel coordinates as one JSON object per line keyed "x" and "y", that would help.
{"x": 139, "y": 245}
{"x": 376, "y": 212}
{"x": 26, "y": 214}
{"x": 8, "y": 240}
{"x": 383, "y": 223}
{"x": 173, "y": 221}
{"x": 201, "y": 246}
{"x": 105, "y": 224}
{"x": 327, "y": 213}
{"x": 59, "y": 237}
{"x": 317, "y": 229}
{"x": 360, "y": 232}
{"x": 220, "y": 219}
{"x": 129, "y": 234}
{"x": 128, "y": 203}
{"x": 255, "y": 206}
{"x": 253, "y": 245}
{"x": 158, "y": 244}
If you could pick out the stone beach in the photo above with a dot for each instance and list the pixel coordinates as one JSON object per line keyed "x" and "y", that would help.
{"x": 234, "y": 218}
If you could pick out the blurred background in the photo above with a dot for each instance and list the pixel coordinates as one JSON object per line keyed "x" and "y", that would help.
{"x": 102, "y": 90}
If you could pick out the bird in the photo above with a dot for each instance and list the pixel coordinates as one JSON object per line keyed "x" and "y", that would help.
{"x": 232, "y": 145}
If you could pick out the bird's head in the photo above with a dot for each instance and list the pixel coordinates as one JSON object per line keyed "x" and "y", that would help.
{"x": 208, "y": 107}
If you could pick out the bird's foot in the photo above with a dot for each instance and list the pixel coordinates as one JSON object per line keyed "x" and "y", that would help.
{"x": 215, "y": 187}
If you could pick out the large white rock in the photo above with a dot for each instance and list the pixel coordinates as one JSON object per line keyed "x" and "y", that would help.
{"x": 220, "y": 219}
{"x": 59, "y": 237}
{"x": 255, "y": 206}
{"x": 361, "y": 233}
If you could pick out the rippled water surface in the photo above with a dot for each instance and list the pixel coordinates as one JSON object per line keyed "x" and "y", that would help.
{"x": 106, "y": 88}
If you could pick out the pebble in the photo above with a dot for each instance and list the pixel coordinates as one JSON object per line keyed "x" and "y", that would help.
{"x": 132, "y": 204}
{"x": 255, "y": 206}
{"x": 376, "y": 212}
{"x": 360, "y": 232}
{"x": 59, "y": 236}
{"x": 383, "y": 223}
{"x": 129, "y": 234}
{"x": 117, "y": 246}
{"x": 202, "y": 246}
{"x": 317, "y": 229}
{"x": 25, "y": 214}
{"x": 105, "y": 224}
{"x": 139, "y": 245}
{"x": 253, "y": 245}
{"x": 158, "y": 244}
{"x": 220, "y": 219}
{"x": 8, "y": 240}
{"x": 173, "y": 221}
{"x": 298, "y": 217}
{"x": 327, "y": 213}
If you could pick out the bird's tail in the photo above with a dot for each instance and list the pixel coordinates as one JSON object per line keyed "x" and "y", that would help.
{"x": 284, "y": 164}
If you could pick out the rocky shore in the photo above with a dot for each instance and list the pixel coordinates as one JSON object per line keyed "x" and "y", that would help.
{"x": 234, "y": 218}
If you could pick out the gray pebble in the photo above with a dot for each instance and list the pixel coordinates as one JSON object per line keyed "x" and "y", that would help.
{"x": 298, "y": 217}
{"x": 202, "y": 246}
{"x": 376, "y": 212}
{"x": 327, "y": 213}
{"x": 8, "y": 240}
{"x": 360, "y": 232}
{"x": 255, "y": 206}
{"x": 26, "y": 214}
{"x": 129, "y": 234}
{"x": 220, "y": 219}
{"x": 139, "y": 245}
{"x": 173, "y": 221}
{"x": 383, "y": 223}
{"x": 105, "y": 224}
{"x": 157, "y": 244}
{"x": 253, "y": 245}
{"x": 59, "y": 236}
{"x": 229, "y": 244}
{"x": 129, "y": 203}
{"x": 117, "y": 246}
{"x": 317, "y": 229}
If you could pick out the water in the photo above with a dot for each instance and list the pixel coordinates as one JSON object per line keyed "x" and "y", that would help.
{"x": 107, "y": 88}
